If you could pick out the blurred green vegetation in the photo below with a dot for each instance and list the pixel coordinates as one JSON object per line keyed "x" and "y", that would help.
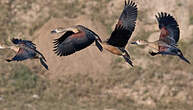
{"x": 23, "y": 78}
{"x": 83, "y": 91}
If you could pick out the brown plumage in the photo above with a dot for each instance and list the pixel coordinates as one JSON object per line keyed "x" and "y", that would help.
{"x": 26, "y": 50}
{"x": 74, "y": 39}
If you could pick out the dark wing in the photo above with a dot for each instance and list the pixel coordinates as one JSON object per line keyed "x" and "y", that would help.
{"x": 92, "y": 35}
{"x": 169, "y": 28}
{"x": 71, "y": 44}
{"x": 23, "y": 54}
{"x": 91, "y": 32}
{"x": 63, "y": 46}
{"x": 125, "y": 26}
{"x": 27, "y": 43}
{"x": 63, "y": 37}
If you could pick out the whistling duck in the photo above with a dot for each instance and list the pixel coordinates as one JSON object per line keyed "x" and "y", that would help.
{"x": 25, "y": 50}
{"x": 74, "y": 39}
{"x": 122, "y": 32}
{"x": 167, "y": 43}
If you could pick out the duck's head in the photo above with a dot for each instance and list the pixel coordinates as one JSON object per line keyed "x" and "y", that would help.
{"x": 139, "y": 42}
{"x": 15, "y": 40}
{"x": 74, "y": 29}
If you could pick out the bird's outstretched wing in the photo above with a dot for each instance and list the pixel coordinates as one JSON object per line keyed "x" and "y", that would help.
{"x": 75, "y": 39}
{"x": 27, "y": 49}
{"x": 63, "y": 47}
{"x": 23, "y": 54}
{"x": 21, "y": 42}
{"x": 125, "y": 26}
{"x": 169, "y": 28}
{"x": 63, "y": 37}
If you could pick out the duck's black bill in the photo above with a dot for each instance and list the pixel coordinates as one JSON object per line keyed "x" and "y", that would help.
{"x": 53, "y": 32}
{"x": 133, "y": 42}
{"x": 183, "y": 58}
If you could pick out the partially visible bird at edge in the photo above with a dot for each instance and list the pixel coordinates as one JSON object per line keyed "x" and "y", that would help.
{"x": 167, "y": 43}
{"x": 25, "y": 49}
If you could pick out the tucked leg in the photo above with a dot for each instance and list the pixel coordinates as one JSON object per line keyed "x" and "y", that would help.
{"x": 126, "y": 57}
{"x": 98, "y": 45}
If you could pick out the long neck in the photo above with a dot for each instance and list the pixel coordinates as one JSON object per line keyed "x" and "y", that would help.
{"x": 14, "y": 48}
{"x": 62, "y": 31}
{"x": 144, "y": 43}
{"x": 152, "y": 45}
{"x": 9, "y": 47}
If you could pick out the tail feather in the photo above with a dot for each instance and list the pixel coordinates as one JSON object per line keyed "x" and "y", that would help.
{"x": 43, "y": 63}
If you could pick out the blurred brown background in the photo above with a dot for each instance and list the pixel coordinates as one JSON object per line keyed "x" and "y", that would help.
{"x": 89, "y": 79}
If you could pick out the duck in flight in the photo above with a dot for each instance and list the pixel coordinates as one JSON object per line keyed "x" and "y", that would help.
{"x": 74, "y": 39}
{"x": 122, "y": 32}
{"x": 25, "y": 50}
{"x": 167, "y": 43}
